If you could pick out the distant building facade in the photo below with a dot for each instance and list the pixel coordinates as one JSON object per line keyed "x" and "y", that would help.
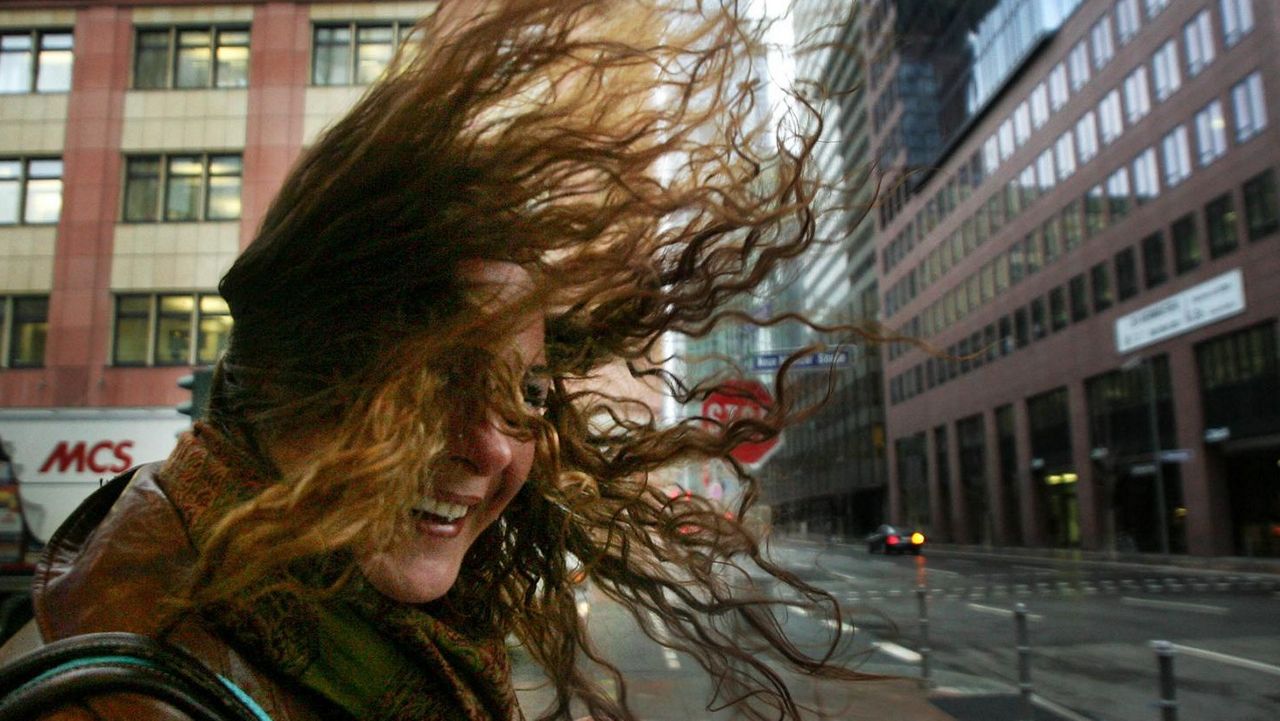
{"x": 1091, "y": 255}
{"x": 140, "y": 143}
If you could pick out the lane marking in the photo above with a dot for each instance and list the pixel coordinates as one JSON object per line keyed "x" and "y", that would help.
{"x": 928, "y": 570}
{"x": 584, "y": 608}
{"x": 901, "y": 653}
{"x": 1037, "y": 569}
{"x": 1175, "y": 606}
{"x": 845, "y": 576}
{"x": 845, "y": 626}
{"x": 1058, "y": 709}
{"x": 1229, "y": 660}
{"x": 1006, "y": 612}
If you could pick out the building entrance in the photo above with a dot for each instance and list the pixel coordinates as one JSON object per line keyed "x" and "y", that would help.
{"x": 1253, "y": 482}
{"x": 1138, "y": 526}
{"x": 1062, "y": 508}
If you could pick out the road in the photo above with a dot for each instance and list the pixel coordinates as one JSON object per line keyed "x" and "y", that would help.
{"x": 1091, "y": 625}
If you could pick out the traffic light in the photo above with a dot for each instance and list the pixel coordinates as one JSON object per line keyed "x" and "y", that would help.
{"x": 198, "y": 382}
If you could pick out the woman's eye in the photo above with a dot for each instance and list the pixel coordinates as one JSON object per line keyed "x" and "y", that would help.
{"x": 536, "y": 393}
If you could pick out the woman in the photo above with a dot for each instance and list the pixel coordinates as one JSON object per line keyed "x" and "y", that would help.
{"x": 404, "y": 456}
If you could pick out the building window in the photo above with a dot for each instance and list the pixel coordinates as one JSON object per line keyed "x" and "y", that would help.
{"x": 1198, "y": 35}
{"x": 1021, "y": 329}
{"x": 1072, "y": 229}
{"x": 1211, "y": 133}
{"x": 1220, "y": 222}
{"x": 1126, "y": 274}
{"x": 35, "y": 61}
{"x": 1064, "y": 156}
{"x": 1237, "y": 20}
{"x": 1154, "y": 266}
{"x": 1101, "y": 283}
{"x": 1177, "y": 156}
{"x": 1058, "y": 317}
{"x": 1154, "y": 7}
{"x": 1079, "y": 298}
{"x": 1005, "y": 137}
{"x": 1039, "y": 106}
{"x": 170, "y": 329}
{"x": 1146, "y": 181}
{"x": 25, "y": 322}
{"x": 1249, "y": 105}
{"x": 1095, "y": 210}
{"x": 1021, "y": 123}
{"x": 1110, "y": 117}
{"x": 1039, "y": 323}
{"x": 1052, "y": 240}
{"x": 1058, "y": 93}
{"x": 1118, "y": 194}
{"x": 30, "y": 191}
{"x": 1044, "y": 171}
{"x": 1087, "y": 136}
{"x": 1137, "y": 95}
{"x": 1032, "y": 257}
{"x": 355, "y": 53}
{"x": 1186, "y": 244}
{"x": 1164, "y": 66}
{"x": 182, "y": 188}
{"x": 1127, "y": 20}
{"x": 1078, "y": 66}
{"x": 191, "y": 57}
{"x": 1239, "y": 379}
{"x": 1261, "y": 212}
{"x": 1103, "y": 42}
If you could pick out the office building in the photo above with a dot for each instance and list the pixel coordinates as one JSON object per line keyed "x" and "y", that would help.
{"x": 1089, "y": 261}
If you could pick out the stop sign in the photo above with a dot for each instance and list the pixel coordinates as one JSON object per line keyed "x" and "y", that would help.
{"x": 742, "y": 399}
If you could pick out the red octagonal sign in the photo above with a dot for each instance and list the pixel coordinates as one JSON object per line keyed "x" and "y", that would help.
{"x": 742, "y": 399}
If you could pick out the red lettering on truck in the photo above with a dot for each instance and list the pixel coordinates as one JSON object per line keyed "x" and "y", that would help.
{"x": 66, "y": 456}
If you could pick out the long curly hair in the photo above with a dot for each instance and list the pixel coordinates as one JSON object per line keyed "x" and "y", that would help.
{"x": 625, "y": 154}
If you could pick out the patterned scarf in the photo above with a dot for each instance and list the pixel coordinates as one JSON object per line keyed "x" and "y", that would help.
{"x": 378, "y": 659}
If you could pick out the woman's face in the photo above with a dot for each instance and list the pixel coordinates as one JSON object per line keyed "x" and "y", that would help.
{"x": 485, "y": 468}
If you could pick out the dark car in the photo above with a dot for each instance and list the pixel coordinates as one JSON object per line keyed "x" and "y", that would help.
{"x": 891, "y": 539}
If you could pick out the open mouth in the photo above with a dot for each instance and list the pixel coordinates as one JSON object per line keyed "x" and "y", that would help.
{"x": 435, "y": 510}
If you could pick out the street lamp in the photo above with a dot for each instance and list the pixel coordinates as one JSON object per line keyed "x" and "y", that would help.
{"x": 1154, "y": 430}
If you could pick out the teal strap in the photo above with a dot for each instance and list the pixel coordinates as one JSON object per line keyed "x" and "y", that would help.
{"x": 238, "y": 692}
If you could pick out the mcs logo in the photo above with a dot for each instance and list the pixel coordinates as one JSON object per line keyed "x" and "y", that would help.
{"x": 101, "y": 457}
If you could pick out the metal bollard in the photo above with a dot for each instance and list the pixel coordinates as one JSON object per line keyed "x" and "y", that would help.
{"x": 922, "y": 599}
{"x": 1168, "y": 703}
{"x": 1024, "y": 662}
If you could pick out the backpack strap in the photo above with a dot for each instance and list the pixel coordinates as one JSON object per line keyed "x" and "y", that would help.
{"x": 94, "y": 664}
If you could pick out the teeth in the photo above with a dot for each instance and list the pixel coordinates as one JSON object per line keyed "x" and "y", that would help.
{"x": 444, "y": 509}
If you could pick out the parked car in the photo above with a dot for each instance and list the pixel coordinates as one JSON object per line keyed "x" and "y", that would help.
{"x": 891, "y": 539}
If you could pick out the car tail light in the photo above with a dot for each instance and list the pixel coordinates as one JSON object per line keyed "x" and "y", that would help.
{"x": 917, "y": 538}
{"x": 891, "y": 540}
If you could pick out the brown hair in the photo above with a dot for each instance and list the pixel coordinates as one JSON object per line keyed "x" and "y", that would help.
{"x": 623, "y": 153}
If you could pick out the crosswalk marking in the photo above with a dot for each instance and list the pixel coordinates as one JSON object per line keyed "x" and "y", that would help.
{"x": 899, "y": 652}
{"x": 1175, "y": 605}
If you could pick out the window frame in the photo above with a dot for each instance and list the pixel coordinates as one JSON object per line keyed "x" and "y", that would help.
{"x": 163, "y": 186}
{"x": 22, "y": 188}
{"x": 11, "y": 324}
{"x": 152, "y": 321}
{"x": 173, "y": 54}
{"x": 400, "y": 32}
{"x": 38, "y": 56}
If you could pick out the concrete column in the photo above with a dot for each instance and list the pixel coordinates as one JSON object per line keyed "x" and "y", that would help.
{"x": 995, "y": 494}
{"x": 1088, "y": 494}
{"x": 1028, "y": 493}
{"x": 1204, "y": 483}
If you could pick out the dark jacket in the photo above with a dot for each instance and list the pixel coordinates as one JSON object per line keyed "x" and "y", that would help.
{"x": 108, "y": 568}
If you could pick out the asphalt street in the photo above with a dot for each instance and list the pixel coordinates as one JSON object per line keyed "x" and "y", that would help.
{"x": 1091, "y": 625}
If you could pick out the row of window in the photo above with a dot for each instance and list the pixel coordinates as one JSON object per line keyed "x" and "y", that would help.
{"x": 1052, "y": 94}
{"x": 169, "y": 329}
{"x": 173, "y": 188}
{"x": 24, "y": 325}
{"x": 1105, "y": 285}
{"x": 207, "y": 56}
{"x": 1140, "y": 180}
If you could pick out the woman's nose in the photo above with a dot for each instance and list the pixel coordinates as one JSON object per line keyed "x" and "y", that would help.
{"x": 483, "y": 446}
